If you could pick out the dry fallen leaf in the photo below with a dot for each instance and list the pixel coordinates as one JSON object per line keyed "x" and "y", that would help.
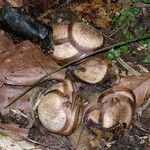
{"x": 13, "y": 141}
{"x": 8, "y": 93}
{"x": 139, "y": 85}
{"x": 16, "y": 3}
{"x": 6, "y": 45}
{"x": 20, "y": 66}
{"x": 38, "y": 7}
{"x": 80, "y": 138}
{"x": 25, "y": 65}
{"x": 98, "y": 12}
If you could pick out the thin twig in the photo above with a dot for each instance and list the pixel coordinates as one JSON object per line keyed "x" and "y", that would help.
{"x": 71, "y": 63}
{"x": 119, "y": 28}
{"x": 126, "y": 66}
{"x": 108, "y": 37}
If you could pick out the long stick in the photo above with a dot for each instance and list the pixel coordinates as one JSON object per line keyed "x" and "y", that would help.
{"x": 73, "y": 62}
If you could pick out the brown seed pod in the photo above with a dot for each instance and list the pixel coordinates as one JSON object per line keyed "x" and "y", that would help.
{"x": 93, "y": 70}
{"x": 115, "y": 107}
{"x": 58, "y": 113}
{"x": 65, "y": 86}
{"x": 60, "y": 108}
{"x": 73, "y": 40}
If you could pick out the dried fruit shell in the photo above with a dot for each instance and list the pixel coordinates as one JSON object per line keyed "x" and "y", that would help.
{"x": 58, "y": 114}
{"x": 93, "y": 70}
{"x": 115, "y": 106}
{"x": 73, "y": 40}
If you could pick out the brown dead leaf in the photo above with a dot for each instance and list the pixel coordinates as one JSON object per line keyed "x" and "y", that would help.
{"x": 139, "y": 85}
{"x": 96, "y": 11}
{"x": 37, "y": 7}
{"x": 25, "y": 65}
{"x": 14, "y": 140}
{"x": 80, "y": 138}
{"x": 8, "y": 93}
{"x": 12, "y": 127}
{"x": 101, "y": 138}
{"x": 6, "y": 45}
{"x": 20, "y": 66}
{"x": 15, "y": 3}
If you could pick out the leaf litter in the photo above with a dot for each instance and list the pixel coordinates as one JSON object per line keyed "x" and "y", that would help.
{"x": 82, "y": 138}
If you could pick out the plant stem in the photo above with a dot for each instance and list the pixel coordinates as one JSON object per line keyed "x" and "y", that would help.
{"x": 73, "y": 62}
{"x": 126, "y": 66}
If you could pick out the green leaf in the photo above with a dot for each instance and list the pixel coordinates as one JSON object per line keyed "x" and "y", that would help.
{"x": 135, "y": 10}
{"x": 124, "y": 12}
{"x": 117, "y": 53}
{"x": 110, "y": 56}
{"x": 128, "y": 35}
{"x": 142, "y": 42}
{"x": 114, "y": 53}
{"x": 147, "y": 41}
{"x": 124, "y": 50}
{"x": 146, "y": 1}
{"x": 141, "y": 31}
{"x": 147, "y": 60}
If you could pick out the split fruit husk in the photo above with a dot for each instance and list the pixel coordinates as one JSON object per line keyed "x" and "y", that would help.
{"x": 60, "y": 108}
{"x": 115, "y": 107}
{"x": 94, "y": 70}
{"x": 73, "y": 40}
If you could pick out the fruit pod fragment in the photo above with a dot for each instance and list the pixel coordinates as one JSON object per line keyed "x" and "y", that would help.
{"x": 115, "y": 107}
{"x": 94, "y": 70}
{"x": 60, "y": 108}
{"x": 73, "y": 40}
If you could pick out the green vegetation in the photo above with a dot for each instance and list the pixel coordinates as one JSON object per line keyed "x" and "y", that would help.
{"x": 147, "y": 59}
{"x": 127, "y": 22}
